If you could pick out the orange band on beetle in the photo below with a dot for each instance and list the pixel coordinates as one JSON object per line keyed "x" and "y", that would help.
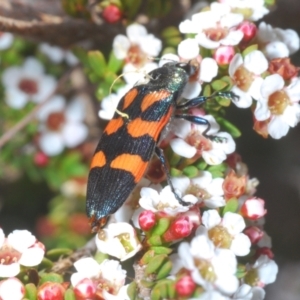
{"x": 129, "y": 98}
{"x": 98, "y": 160}
{"x": 132, "y": 163}
{"x": 113, "y": 125}
{"x": 153, "y": 97}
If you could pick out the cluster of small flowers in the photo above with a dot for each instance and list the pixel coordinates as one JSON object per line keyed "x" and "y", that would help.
{"x": 60, "y": 124}
{"x": 224, "y": 221}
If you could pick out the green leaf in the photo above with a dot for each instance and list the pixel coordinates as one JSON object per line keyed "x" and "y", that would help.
{"x": 46, "y": 264}
{"x": 30, "y": 291}
{"x": 190, "y": 171}
{"x": 249, "y": 49}
{"x": 52, "y": 277}
{"x": 219, "y": 85}
{"x": 221, "y": 167}
{"x": 69, "y": 295}
{"x": 164, "y": 270}
{"x": 147, "y": 257}
{"x": 155, "y": 263}
{"x": 217, "y": 174}
{"x": 200, "y": 164}
{"x": 114, "y": 64}
{"x": 170, "y": 32}
{"x": 147, "y": 284}
{"x": 131, "y": 7}
{"x": 155, "y": 240}
{"x": 97, "y": 63}
{"x": 103, "y": 90}
{"x": 161, "y": 250}
{"x": 161, "y": 226}
{"x": 132, "y": 290}
{"x": 231, "y": 206}
{"x": 55, "y": 254}
{"x": 229, "y": 127}
{"x": 175, "y": 172}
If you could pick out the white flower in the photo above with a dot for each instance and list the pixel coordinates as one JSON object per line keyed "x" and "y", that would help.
{"x": 136, "y": 48}
{"x": 252, "y": 9}
{"x": 205, "y": 188}
{"x": 110, "y": 103}
{"x": 190, "y": 141}
{"x": 61, "y": 125}
{"x": 279, "y": 104}
{"x": 118, "y": 240}
{"x": 6, "y": 40}
{"x": 233, "y": 224}
{"x": 210, "y": 267}
{"x": 19, "y": 248}
{"x": 12, "y": 289}
{"x": 57, "y": 54}
{"x": 246, "y": 292}
{"x": 277, "y": 42}
{"x": 106, "y": 279}
{"x": 27, "y": 82}
{"x": 163, "y": 200}
{"x": 246, "y": 76}
{"x": 266, "y": 270}
{"x": 215, "y": 27}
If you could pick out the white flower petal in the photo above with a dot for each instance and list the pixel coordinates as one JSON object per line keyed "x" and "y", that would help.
{"x": 236, "y": 61}
{"x": 208, "y": 70}
{"x": 271, "y": 84}
{"x": 233, "y": 38}
{"x": 51, "y": 143}
{"x": 256, "y": 62}
{"x": 244, "y": 100}
{"x": 241, "y": 245}
{"x": 135, "y": 32}
{"x": 188, "y": 49}
{"x": 205, "y": 42}
{"x": 234, "y": 223}
{"x": 277, "y": 128}
{"x": 33, "y": 66}
{"x": 182, "y": 148}
{"x": 75, "y": 111}
{"x": 21, "y": 240}
{"x": 10, "y": 270}
{"x": 191, "y": 90}
{"x": 121, "y": 45}
{"x": 74, "y": 134}
{"x": 55, "y": 104}
{"x": 32, "y": 257}
{"x": 15, "y": 98}
{"x": 211, "y": 218}
{"x": 276, "y": 49}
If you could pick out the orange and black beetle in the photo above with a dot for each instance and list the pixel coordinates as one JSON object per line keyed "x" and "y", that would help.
{"x": 130, "y": 138}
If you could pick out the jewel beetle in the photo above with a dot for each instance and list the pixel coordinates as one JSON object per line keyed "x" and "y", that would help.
{"x": 131, "y": 138}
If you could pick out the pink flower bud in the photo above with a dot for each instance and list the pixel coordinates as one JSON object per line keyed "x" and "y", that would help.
{"x": 249, "y": 30}
{"x": 112, "y": 14}
{"x": 85, "y": 289}
{"x": 253, "y": 208}
{"x": 51, "y": 291}
{"x": 185, "y": 286}
{"x": 223, "y": 55}
{"x": 12, "y": 288}
{"x": 147, "y": 220}
{"x": 41, "y": 159}
{"x": 254, "y": 233}
{"x": 264, "y": 251}
{"x": 178, "y": 229}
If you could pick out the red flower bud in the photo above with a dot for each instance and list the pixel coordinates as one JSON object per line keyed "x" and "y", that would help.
{"x": 223, "y": 55}
{"x": 178, "y": 229}
{"x": 147, "y": 220}
{"x": 249, "y": 30}
{"x": 85, "y": 289}
{"x": 254, "y": 233}
{"x": 41, "y": 159}
{"x": 253, "y": 208}
{"x": 112, "y": 14}
{"x": 185, "y": 286}
{"x": 51, "y": 291}
{"x": 264, "y": 251}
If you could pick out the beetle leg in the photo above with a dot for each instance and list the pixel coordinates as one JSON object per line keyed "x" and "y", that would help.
{"x": 160, "y": 154}
{"x": 201, "y": 99}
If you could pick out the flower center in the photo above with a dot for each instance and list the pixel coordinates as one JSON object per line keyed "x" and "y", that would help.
{"x": 252, "y": 277}
{"x": 198, "y": 192}
{"x": 28, "y": 86}
{"x": 196, "y": 139}
{"x": 9, "y": 255}
{"x": 136, "y": 56}
{"x": 243, "y": 78}
{"x": 247, "y": 11}
{"x": 278, "y": 102}
{"x": 206, "y": 270}
{"x": 55, "y": 120}
{"x": 220, "y": 237}
{"x": 124, "y": 239}
{"x": 216, "y": 34}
